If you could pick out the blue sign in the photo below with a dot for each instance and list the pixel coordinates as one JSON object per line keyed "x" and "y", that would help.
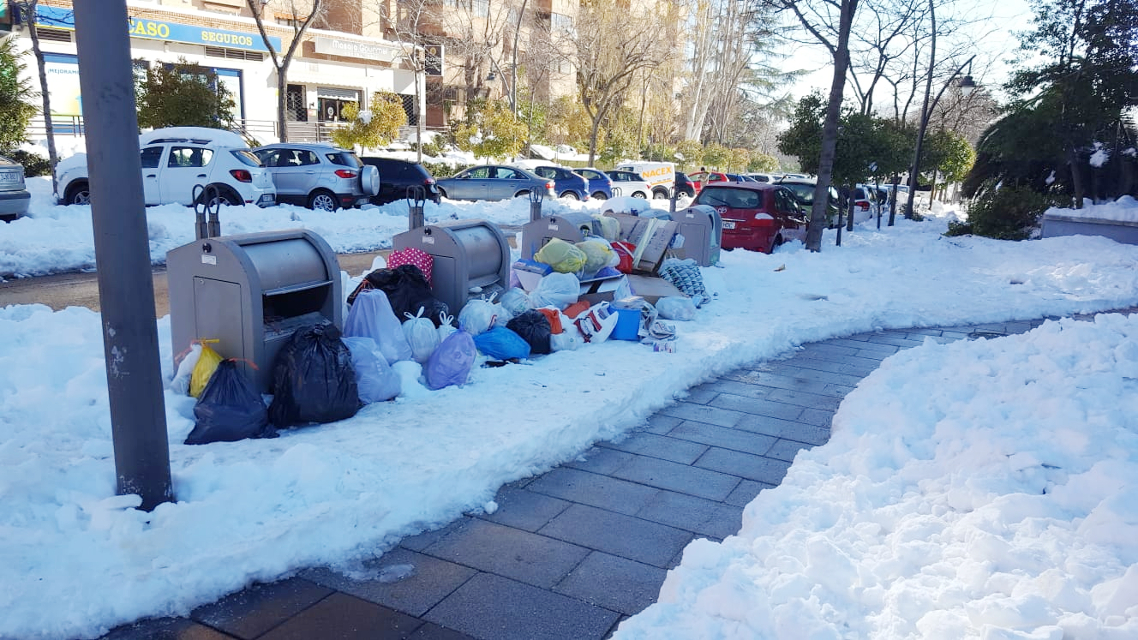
{"x": 168, "y": 31}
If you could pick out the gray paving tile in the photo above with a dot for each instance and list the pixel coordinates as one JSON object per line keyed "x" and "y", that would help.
{"x": 817, "y": 417}
{"x": 701, "y": 394}
{"x": 618, "y": 534}
{"x": 777, "y": 381}
{"x": 805, "y": 373}
{"x": 404, "y": 580}
{"x": 344, "y": 617}
{"x": 838, "y": 390}
{"x": 786, "y": 450}
{"x": 491, "y": 607}
{"x": 859, "y": 369}
{"x": 759, "y": 468}
{"x": 901, "y": 342}
{"x": 1018, "y": 327}
{"x": 744, "y": 388}
{"x": 659, "y": 424}
{"x": 165, "y": 629}
{"x": 666, "y": 448}
{"x": 690, "y": 513}
{"x": 702, "y": 413}
{"x": 746, "y": 492}
{"x": 427, "y": 538}
{"x": 755, "y": 406}
{"x": 253, "y": 611}
{"x": 613, "y": 583}
{"x": 872, "y": 342}
{"x": 432, "y": 631}
{"x": 789, "y": 429}
{"x": 524, "y": 509}
{"x": 805, "y": 399}
{"x": 934, "y": 333}
{"x": 594, "y": 489}
{"x": 825, "y": 350}
{"x": 513, "y": 553}
{"x": 600, "y": 460}
{"x": 678, "y": 477}
{"x": 733, "y": 438}
{"x": 873, "y": 355}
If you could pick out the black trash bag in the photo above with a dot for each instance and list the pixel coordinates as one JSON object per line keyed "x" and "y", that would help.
{"x": 313, "y": 379}
{"x": 407, "y": 290}
{"x": 534, "y": 328}
{"x": 229, "y": 409}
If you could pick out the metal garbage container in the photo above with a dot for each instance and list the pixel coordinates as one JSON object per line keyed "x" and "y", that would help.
{"x": 471, "y": 259}
{"x": 702, "y": 229}
{"x": 251, "y": 292}
{"x": 571, "y": 227}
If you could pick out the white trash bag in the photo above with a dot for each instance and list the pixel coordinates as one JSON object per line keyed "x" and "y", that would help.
{"x": 421, "y": 335}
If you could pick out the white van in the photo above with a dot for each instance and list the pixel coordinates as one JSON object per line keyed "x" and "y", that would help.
{"x": 660, "y": 176}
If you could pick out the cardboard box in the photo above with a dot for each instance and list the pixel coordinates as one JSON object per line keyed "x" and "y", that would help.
{"x": 652, "y": 288}
{"x": 605, "y": 290}
{"x": 652, "y": 237}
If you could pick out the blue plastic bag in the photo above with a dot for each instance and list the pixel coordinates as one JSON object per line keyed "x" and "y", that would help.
{"x": 501, "y": 343}
{"x": 450, "y": 364}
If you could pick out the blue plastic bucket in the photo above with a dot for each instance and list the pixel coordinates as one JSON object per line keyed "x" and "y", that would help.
{"x": 627, "y": 326}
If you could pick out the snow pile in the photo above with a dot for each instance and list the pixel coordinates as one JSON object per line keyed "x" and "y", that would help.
{"x": 972, "y": 490}
{"x": 1125, "y": 209}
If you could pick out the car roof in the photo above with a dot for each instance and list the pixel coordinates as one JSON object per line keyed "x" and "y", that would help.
{"x": 195, "y": 135}
{"x": 753, "y": 186}
{"x": 311, "y": 146}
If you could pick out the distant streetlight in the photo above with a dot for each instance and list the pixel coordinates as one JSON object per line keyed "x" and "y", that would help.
{"x": 967, "y": 85}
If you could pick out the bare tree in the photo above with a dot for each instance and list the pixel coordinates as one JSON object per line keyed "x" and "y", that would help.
{"x": 479, "y": 33}
{"x": 301, "y": 14}
{"x": 28, "y": 10}
{"x": 821, "y": 18}
{"x": 415, "y": 27}
{"x": 609, "y": 57}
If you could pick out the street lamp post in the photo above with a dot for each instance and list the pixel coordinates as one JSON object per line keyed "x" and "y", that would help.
{"x": 966, "y": 86}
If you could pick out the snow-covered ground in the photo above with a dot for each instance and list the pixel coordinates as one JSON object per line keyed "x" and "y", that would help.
{"x": 980, "y": 489}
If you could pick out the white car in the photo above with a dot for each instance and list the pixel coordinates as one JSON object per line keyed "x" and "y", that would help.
{"x": 177, "y": 159}
{"x": 629, "y": 184}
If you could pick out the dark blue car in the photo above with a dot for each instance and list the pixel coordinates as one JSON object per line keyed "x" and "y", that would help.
{"x": 599, "y": 183}
{"x": 566, "y": 183}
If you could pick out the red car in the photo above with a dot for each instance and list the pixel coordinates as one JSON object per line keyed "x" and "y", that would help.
{"x": 701, "y": 179}
{"x": 757, "y": 216}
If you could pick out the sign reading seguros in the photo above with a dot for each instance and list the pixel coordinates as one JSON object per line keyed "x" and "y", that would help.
{"x": 170, "y": 31}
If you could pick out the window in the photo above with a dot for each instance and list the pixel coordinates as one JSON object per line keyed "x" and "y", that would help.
{"x": 560, "y": 24}
{"x": 307, "y": 157}
{"x": 151, "y": 156}
{"x": 478, "y": 172}
{"x": 507, "y": 174}
{"x": 189, "y": 157}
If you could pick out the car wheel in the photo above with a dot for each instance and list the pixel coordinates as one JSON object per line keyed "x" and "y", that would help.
{"x": 323, "y": 200}
{"x": 659, "y": 195}
{"x": 442, "y": 194}
{"x": 569, "y": 194}
{"x": 224, "y": 196}
{"x": 522, "y": 194}
{"x": 639, "y": 194}
{"x": 77, "y": 193}
{"x": 600, "y": 195}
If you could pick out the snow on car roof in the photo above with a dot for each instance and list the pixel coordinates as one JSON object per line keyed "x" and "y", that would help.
{"x": 201, "y": 135}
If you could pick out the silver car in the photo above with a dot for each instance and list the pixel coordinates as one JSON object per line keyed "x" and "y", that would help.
{"x": 319, "y": 176}
{"x": 14, "y": 197}
{"x": 493, "y": 182}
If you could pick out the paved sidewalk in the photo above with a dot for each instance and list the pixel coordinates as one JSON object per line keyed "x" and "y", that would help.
{"x": 570, "y": 554}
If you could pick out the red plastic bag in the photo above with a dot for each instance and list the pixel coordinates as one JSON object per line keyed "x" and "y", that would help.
{"x": 624, "y": 250}
{"x": 414, "y": 256}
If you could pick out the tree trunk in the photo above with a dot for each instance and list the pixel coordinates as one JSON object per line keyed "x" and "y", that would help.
{"x": 830, "y": 129}
{"x": 593, "y": 140}
{"x": 45, "y": 96}
{"x": 282, "y": 103}
{"x": 893, "y": 200}
{"x": 1076, "y": 176}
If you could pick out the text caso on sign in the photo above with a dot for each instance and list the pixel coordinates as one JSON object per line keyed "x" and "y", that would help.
{"x": 149, "y": 28}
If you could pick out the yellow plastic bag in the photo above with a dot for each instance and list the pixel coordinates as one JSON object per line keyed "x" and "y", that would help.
{"x": 598, "y": 254}
{"x": 562, "y": 256}
{"x": 207, "y": 364}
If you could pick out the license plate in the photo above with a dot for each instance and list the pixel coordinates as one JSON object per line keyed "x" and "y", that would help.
{"x": 266, "y": 198}
{"x": 9, "y": 176}
{"x": 727, "y": 224}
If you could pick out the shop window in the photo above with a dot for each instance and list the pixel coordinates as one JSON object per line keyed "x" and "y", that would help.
{"x": 294, "y": 103}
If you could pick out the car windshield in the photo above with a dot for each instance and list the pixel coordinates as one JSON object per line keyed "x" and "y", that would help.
{"x": 246, "y": 157}
{"x": 731, "y": 198}
{"x": 804, "y": 192}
